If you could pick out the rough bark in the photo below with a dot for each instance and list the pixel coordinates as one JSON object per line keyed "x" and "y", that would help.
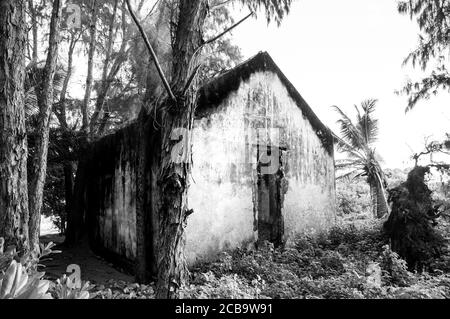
{"x": 45, "y": 103}
{"x": 172, "y": 180}
{"x": 167, "y": 208}
{"x": 89, "y": 78}
{"x": 13, "y": 140}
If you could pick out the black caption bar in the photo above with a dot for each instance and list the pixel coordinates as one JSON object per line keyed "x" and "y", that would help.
{"x": 245, "y": 309}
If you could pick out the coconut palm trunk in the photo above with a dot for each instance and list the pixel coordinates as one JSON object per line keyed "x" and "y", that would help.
{"x": 378, "y": 199}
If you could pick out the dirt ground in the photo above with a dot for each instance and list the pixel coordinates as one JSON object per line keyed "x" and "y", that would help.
{"x": 93, "y": 268}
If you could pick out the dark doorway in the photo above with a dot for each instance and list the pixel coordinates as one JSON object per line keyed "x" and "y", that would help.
{"x": 269, "y": 194}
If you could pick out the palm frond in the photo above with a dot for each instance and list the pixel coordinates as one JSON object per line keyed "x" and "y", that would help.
{"x": 366, "y": 124}
{"x": 31, "y": 104}
{"x": 345, "y": 147}
{"x": 358, "y": 113}
{"x": 347, "y": 164}
{"x": 349, "y": 132}
{"x": 351, "y": 175}
{"x": 356, "y": 142}
{"x": 34, "y": 78}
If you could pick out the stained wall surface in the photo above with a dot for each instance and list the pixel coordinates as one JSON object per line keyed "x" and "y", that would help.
{"x": 224, "y": 191}
{"x": 110, "y": 194}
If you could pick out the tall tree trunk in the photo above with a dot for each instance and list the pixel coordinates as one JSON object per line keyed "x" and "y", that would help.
{"x": 34, "y": 30}
{"x": 172, "y": 179}
{"x": 106, "y": 80}
{"x": 45, "y": 102}
{"x": 89, "y": 78}
{"x": 60, "y": 112}
{"x": 13, "y": 136}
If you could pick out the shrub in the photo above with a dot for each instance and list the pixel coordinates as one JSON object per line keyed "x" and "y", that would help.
{"x": 411, "y": 224}
{"x": 347, "y": 262}
{"x": 352, "y": 197}
{"x": 62, "y": 290}
{"x": 227, "y": 286}
{"x": 395, "y": 269}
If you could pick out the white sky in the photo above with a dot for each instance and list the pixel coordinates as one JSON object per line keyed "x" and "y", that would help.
{"x": 342, "y": 52}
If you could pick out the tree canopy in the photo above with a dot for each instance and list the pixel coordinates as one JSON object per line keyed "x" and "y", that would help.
{"x": 433, "y": 19}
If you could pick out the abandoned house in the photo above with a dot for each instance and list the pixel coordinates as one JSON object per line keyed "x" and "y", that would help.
{"x": 263, "y": 169}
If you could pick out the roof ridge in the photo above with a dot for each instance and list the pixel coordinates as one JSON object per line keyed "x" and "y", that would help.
{"x": 219, "y": 88}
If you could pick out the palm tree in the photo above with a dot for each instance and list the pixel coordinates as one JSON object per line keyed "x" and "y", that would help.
{"x": 356, "y": 142}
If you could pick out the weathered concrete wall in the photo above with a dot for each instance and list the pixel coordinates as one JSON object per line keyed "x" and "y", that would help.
{"x": 223, "y": 190}
{"x": 110, "y": 195}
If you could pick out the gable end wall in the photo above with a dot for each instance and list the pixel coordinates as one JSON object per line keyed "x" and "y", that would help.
{"x": 223, "y": 191}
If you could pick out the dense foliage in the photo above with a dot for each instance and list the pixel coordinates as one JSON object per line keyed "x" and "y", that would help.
{"x": 411, "y": 224}
{"x": 350, "y": 262}
{"x": 353, "y": 199}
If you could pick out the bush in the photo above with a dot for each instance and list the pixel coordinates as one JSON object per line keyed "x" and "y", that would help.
{"x": 395, "y": 269}
{"x": 227, "y": 286}
{"x": 411, "y": 224}
{"x": 352, "y": 197}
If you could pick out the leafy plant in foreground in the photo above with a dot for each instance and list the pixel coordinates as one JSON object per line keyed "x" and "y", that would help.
{"x": 20, "y": 278}
{"x": 15, "y": 283}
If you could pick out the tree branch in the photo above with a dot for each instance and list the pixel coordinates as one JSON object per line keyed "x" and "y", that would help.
{"x": 152, "y": 52}
{"x": 228, "y": 30}
{"x": 152, "y": 10}
{"x": 220, "y": 35}
{"x": 191, "y": 79}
